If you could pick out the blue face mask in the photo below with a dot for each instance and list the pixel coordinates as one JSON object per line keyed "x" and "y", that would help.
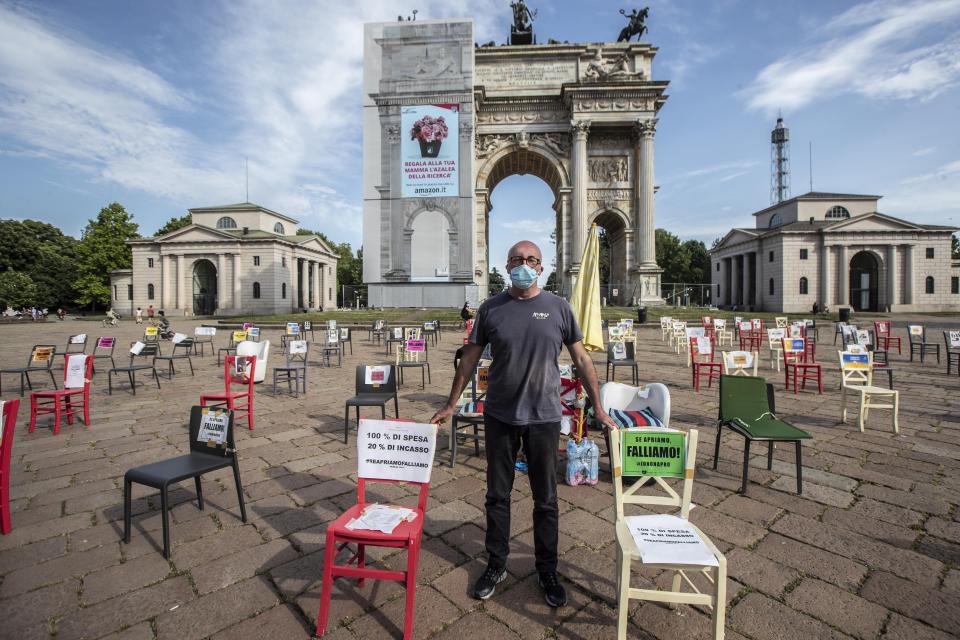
{"x": 523, "y": 277}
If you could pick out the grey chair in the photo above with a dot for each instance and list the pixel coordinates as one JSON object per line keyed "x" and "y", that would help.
{"x": 181, "y": 351}
{"x": 150, "y": 351}
{"x": 952, "y": 351}
{"x": 346, "y": 337}
{"x": 40, "y": 360}
{"x": 103, "y": 349}
{"x": 295, "y": 371}
{"x": 627, "y": 359}
{"x": 919, "y": 344}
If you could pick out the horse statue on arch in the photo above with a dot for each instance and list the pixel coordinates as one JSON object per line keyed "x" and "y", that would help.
{"x": 636, "y": 26}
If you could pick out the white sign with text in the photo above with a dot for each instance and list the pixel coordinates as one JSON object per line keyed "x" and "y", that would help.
{"x": 396, "y": 450}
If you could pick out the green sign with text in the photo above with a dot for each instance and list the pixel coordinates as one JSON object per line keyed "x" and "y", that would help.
{"x": 652, "y": 453}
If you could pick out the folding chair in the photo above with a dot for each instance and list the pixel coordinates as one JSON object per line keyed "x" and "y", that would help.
{"x": 8, "y": 427}
{"x": 470, "y": 413}
{"x": 713, "y": 570}
{"x": 375, "y": 386}
{"x": 721, "y": 332}
{"x": 951, "y": 345}
{"x": 137, "y": 350}
{"x": 41, "y": 359}
{"x": 856, "y": 370}
{"x": 332, "y": 346}
{"x": 236, "y": 337}
{"x": 211, "y": 449}
{"x": 703, "y": 361}
{"x": 295, "y": 372}
{"x": 346, "y": 337}
{"x": 918, "y": 342}
{"x": 182, "y": 346}
{"x": 203, "y": 336}
{"x": 238, "y": 371}
{"x": 69, "y": 401}
{"x": 406, "y": 536}
{"x": 799, "y": 365}
{"x": 748, "y": 408}
{"x": 739, "y": 363}
{"x": 103, "y": 349}
{"x": 883, "y": 330}
{"x": 622, "y": 354}
{"x": 413, "y": 354}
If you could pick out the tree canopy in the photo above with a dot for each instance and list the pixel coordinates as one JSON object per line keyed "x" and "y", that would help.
{"x": 44, "y": 254}
{"x": 17, "y": 290}
{"x": 349, "y": 264}
{"x": 175, "y": 223}
{"x": 102, "y": 249}
{"x": 687, "y": 262}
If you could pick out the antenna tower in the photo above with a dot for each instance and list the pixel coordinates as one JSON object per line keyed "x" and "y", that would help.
{"x": 779, "y": 162}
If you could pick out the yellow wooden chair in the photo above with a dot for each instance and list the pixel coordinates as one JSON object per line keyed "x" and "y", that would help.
{"x": 856, "y": 368}
{"x": 628, "y": 552}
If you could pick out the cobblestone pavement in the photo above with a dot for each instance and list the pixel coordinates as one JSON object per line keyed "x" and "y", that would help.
{"x": 870, "y": 550}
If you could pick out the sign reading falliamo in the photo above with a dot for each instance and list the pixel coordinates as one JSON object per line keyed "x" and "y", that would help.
{"x": 652, "y": 452}
{"x": 430, "y": 151}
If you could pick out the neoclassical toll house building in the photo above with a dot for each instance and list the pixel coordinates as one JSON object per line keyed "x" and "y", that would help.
{"x": 232, "y": 260}
{"x": 835, "y": 248}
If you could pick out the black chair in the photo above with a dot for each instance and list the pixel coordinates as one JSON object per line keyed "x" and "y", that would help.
{"x": 203, "y": 339}
{"x": 626, "y": 359}
{"x": 410, "y": 359}
{"x": 331, "y": 347}
{"x": 149, "y": 351}
{"x": 231, "y": 348}
{"x": 205, "y": 456}
{"x": 40, "y": 359}
{"x": 919, "y": 344}
{"x": 371, "y": 395}
{"x": 377, "y": 330}
{"x": 181, "y": 351}
{"x": 953, "y": 352}
{"x": 346, "y": 337}
{"x": 304, "y": 328}
{"x": 75, "y": 344}
{"x": 295, "y": 371}
{"x": 394, "y": 336}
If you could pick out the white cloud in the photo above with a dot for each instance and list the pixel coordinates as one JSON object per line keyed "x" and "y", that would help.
{"x": 709, "y": 170}
{"x": 930, "y": 198}
{"x": 947, "y": 170}
{"x": 873, "y": 50}
{"x": 923, "y": 152}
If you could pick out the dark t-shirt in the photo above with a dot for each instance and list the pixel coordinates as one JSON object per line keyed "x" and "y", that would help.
{"x": 526, "y": 337}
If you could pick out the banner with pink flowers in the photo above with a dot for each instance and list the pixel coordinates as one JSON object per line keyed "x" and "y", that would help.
{"x": 430, "y": 150}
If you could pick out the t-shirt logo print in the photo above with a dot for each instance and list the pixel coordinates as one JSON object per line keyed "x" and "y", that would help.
{"x": 540, "y": 316}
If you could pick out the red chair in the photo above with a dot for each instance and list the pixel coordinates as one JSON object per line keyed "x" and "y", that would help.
{"x": 9, "y": 420}
{"x": 70, "y": 400}
{"x": 704, "y": 364}
{"x": 232, "y": 376}
{"x": 799, "y": 366}
{"x": 750, "y": 339}
{"x": 407, "y": 536}
{"x": 883, "y": 330}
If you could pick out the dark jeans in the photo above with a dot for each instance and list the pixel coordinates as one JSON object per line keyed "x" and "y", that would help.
{"x": 540, "y": 443}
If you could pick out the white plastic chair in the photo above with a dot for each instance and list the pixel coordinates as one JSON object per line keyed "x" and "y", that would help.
{"x": 653, "y": 396}
{"x": 259, "y": 349}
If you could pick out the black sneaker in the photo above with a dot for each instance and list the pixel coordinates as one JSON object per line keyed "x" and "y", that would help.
{"x": 553, "y": 591}
{"x": 487, "y": 583}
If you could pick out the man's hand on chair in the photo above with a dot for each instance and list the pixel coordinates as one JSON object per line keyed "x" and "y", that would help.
{"x": 603, "y": 418}
{"x": 441, "y": 416}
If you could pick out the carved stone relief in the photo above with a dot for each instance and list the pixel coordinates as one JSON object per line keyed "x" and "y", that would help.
{"x": 487, "y": 144}
{"x": 611, "y": 69}
{"x": 608, "y": 169}
{"x": 520, "y": 117}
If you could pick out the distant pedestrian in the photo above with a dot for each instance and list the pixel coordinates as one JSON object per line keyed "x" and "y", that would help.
{"x": 150, "y": 312}
{"x": 139, "y": 315}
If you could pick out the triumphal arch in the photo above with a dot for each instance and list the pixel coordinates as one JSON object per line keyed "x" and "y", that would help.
{"x": 445, "y": 121}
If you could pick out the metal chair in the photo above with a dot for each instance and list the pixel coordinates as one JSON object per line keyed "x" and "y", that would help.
{"x": 375, "y": 386}
{"x": 622, "y": 354}
{"x": 413, "y": 354}
{"x": 346, "y": 337}
{"x": 137, "y": 350}
{"x": 103, "y": 349}
{"x": 295, "y": 371}
{"x": 182, "y": 347}
{"x": 40, "y": 360}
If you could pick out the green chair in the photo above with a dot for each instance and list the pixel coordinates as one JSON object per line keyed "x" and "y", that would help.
{"x": 747, "y": 407}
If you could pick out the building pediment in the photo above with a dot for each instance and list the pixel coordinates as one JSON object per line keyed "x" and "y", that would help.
{"x": 735, "y": 236}
{"x": 316, "y": 244}
{"x": 873, "y": 222}
{"x": 196, "y": 233}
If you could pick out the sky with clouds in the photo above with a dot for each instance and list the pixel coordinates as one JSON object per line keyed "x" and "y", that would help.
{"x": 157, "y": 105}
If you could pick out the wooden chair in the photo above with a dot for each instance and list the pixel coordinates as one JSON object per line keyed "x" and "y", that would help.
{"x": 622, "y": 354}
{"x": 883, "y": 330}
{"x": 137, "y": 350}
{"x": 748, "y": 408}
{"x": 917, "y": 335}
{"x": 856, "y": 370}
{"x": 413, "y": 354}
{"x": 799, "y": 365}
{"x": 211, "y": 449}
{"x": 238, "y": 373}
{"x": 739, "y": 363}
{"x": 628, "y": 553}
{"x": 406, "y": 537}
{"x": 721, "y": 333}
{"x": 666, "y": 327}
{"x": 8, "y": 428}
{"x": 295, "y": 371}
{"x": 703, "y": 361}
{"x": 775, "y": 345}
{"x": 781, "y": 321}
{"x": 69, "y": 401}
{"x": 40, "y": 360}
{"x": 375, "y": 386}
{"x": 750, "y": 337}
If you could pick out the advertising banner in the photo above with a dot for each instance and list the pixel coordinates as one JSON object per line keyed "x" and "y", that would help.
{"x": 429, "y": 151}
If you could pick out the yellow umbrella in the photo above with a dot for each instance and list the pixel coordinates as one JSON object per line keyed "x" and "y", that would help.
{"x": 586, "y": 294}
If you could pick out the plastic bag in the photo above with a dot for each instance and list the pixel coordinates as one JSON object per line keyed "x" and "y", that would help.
{"x": 583, "y": 462}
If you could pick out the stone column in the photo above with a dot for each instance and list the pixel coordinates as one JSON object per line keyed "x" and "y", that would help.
{"x": 908, "y": 274}
{"x": 824, "y": 273}
{"x": 292, "y": 266}
{"x": 315, "y": 267}
{"x": 745, "y": 272}
{"x": 581, "y": 129}
{"x": 322, "y": 284}
{"x": 646, "y": 243}
{"x": 735, "y": 280}
{"x": 564, "y": 261}
{"x": 723, "y": 290}
{"x": 843, "y": 277}
{"x": 221, "y": 280}
{"x": 166, "y": 265}
{"x": 181, "y": 285}
{"x": 891, "y": 276}
{"x": 236, "y": 283}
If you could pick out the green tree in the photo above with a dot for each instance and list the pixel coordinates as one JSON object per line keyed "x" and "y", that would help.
{"x": 44, "y": 253}
{"x": 175, "y": 223}
{"x": 17, "y": 290}
{"x": 687, "y": 262}
{"x": 551, "y": 284}
{"x": 103, "y": 249}
{"x": 349, "y": 264}
{"x": 496, "y": 281}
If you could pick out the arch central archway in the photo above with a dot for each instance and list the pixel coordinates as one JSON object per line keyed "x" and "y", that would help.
{"x": 204, "y": 288}
{"x": 521, "y": 160}
{"x": 864, "y": 282}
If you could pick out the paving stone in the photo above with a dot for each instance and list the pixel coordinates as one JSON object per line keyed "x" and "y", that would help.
{"x": 481, "y": 626}
{"x": 838, "y": 608}
{"x": 932, "y": 607}
{"x": 215, "y": 546}
{"x": 883, "y": 531}
{"x": 433, "y": 612}
{"x": 27, "y": 612}
{"x": 909, "y": 500}
{"x": 57, "y": 570}
{"x": 758, "y": 572}
{"x": 812, "y": 491}
{"x": 122, "y": 578}
{"x": 900, "y": 628}
{"x": 719, "y": 526}
{"x": 827, "y": 566}
{"x": 208, "y": 614}
{"x": 753, "y": 616}
{"x": 524, "y": 610}
{"x": 31, "y": 554}
{"x": 141, "y": 631}
{"x": 224, "y": 571}
{"x": 279, "y": 622}
{"x": 748, "y": 509}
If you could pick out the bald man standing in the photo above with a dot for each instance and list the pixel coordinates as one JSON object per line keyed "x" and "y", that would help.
{"x": 526, "y": 328}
